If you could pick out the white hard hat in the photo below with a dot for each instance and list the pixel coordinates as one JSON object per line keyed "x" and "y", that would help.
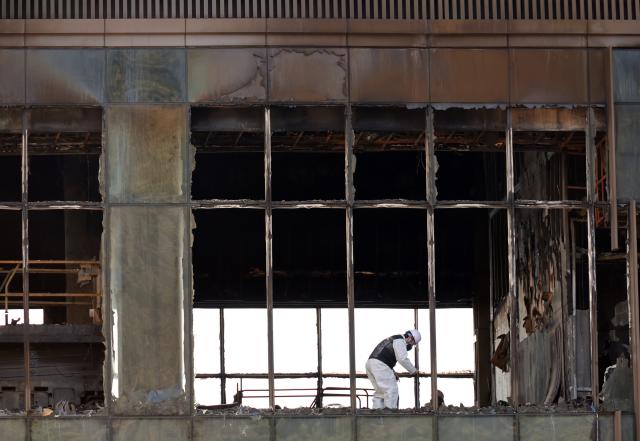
{"x": 416, "y": 335}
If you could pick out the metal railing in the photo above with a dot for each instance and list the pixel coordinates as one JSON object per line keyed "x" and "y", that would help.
{"x": 87, "y": 275}
{"x": 325, "y": 9}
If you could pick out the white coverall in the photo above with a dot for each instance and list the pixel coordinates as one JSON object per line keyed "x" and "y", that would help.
{"x": 384, "y": 379}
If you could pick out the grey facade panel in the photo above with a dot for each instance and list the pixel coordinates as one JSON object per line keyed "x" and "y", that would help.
{"x": 626, "y": 67}
{"x": 146, "y": 75}
{"x": 148, "y": 248}
{"x": 12, "y": 79}
{"x": 65, "y": 76}
{"x": 76, "y": 429}
{"x": 628, "y": 151}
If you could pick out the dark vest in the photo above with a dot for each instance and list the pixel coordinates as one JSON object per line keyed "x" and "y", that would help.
{"x": 384, "y": 351}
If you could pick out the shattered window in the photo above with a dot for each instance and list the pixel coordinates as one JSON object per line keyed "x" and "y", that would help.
{"x": 50, "y": 264}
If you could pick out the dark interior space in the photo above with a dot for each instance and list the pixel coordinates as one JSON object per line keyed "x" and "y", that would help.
{"x": 11, "y": 256}
{"x": 12, "y": 376}
{"x": 10, "y": 167}
{"x": 389, "y": 149}
{"x": 462, "y": 256}
{"x": 229, "y": 258}
{"x": 545, "y": 159}
{"x": 390, "y": 257}
{"x": 229, "y": 157}
{"x": 309, "y": 257}
{"x": 471, "y": 154}
{"x": 307, "y": 153}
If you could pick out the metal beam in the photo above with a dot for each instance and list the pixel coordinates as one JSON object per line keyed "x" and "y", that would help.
{"x": 268, "y": 216}
{"x": 611, "y": 137}
{"x": 591, "y": 251}
{"x": 511, "y": 259}
{"x": 350, "y": 194}
{"x": 26, "y": 121}
{"x": 223, "y": 377}
{"x": 430, "y": 161}
{"x": 634, "y": 307}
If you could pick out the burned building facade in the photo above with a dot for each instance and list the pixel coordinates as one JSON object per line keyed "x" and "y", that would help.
{"x": 220, "y": 176}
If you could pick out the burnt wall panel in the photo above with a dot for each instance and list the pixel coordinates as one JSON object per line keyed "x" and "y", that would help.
{"x": 148, "y": 248}
{"x": 65, "y": 76}
{"x": 300, "y": 429}
{"x": 308, "y": 75}
{"x": 77, "y": 429}
{"x": 12, "y": 77}
{"x": 150, "y": 430}
{"x": 145, "y": 153}
{"x": 395, "y": 427}
{"x": 231, "y": 429}
{"x": 146, "y": 75}
{"x": 626, "y": 66}
{"x": 485, "y": 428}
{"x": 557, "y": 428}
{"x": 469, "y": 75}
{"x": 13, "y": 429}
{"x": 548, "y": 76}
{"x": 598, "y": 68}
{"x": 628, "y": 151}
{"x": 226, "y": 75}
{"x": 389, "y": 75}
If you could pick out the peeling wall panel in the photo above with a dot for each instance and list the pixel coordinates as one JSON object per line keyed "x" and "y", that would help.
{"x": 65, "y": 76}
{"x": 148, "y": 247}
{"x": 484, "y": 428}
{"x": 231, "y": 429}
{"x": 628, "y": 152}
{"x": 557, "y": 428}
{"x": 307, "y": 75}
{"x": 395, "y": 428}
{"x": 210, "y": 78}
{"x": 302, "y": 429}
{"x": 389, "y": 75}
{"x": 146, "y": 75}
{"x": 12, "y": 78}
{"x": 13, "y": 429}
{"x": 626, "y": 67}
{"x": 469, "y": 75}
{"x": 548, "y": 76}
{"x": 145, "y": 153}
{"x": 150, "y": 430}
{"x": 76, "y": 429}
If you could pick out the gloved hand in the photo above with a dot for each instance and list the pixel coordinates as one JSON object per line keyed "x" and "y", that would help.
{"x": 397, "y": 376}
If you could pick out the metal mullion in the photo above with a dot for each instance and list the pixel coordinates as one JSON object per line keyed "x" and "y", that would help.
{"x": 634, "y": 309}
{"x": 611, "y": 152}
{"x": 350, "y": 195}
{"x": 269, "y": 252}
{"x": 319, "y": 397}
{"x": 223, "y": 371}
{"x": 591, "y": 250}
{"x": 511, "y": 262}
{"x": 25, "y": 258}
{"x": 416, "y": 380}
{"x": 430, "y": 183}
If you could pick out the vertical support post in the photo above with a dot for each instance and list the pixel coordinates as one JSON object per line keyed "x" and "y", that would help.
{"x": 26, "y": 122}
{"x": 416, "y": 381}
{"x": 511, "y": 251}
{"x": 319, "y": 396}
{"x": 431, "y": 259}
{"x": 268, "y": 252}
{"x": 611, "y": 151}
{"x": 591, "y": 251}
{"x": 634, "y": 307}
{"x": 349, "y": 191}
{"x": 223, "y": 371}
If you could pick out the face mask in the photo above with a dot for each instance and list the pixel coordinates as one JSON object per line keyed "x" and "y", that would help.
{"x": 409, "y": 347}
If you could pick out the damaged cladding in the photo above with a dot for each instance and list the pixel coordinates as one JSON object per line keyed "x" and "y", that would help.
{"x": 311, "y": 195}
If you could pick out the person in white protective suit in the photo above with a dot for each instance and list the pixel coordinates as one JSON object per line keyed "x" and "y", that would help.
{"x": 380, "y": 365}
